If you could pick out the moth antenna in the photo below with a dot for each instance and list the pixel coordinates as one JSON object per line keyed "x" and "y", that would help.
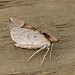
{"x": 51, "y": 46}
{"x": 44, "y": 56}
{"x": 49, "y": 34}
{"x": 36, "y": 53}
{"x": 63, "y": 39}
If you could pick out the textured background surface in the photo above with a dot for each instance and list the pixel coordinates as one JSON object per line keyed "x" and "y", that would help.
{"x": 52, "y": 16}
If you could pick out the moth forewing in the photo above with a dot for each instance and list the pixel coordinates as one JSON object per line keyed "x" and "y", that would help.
{"x": 29, "y": 38}
{"x": 18, "y": 23}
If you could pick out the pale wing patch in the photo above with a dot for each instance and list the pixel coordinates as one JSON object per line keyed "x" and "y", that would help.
{"x": 19, "y": 35}
{"x": 36, "y": 38}
{"x": 27, "y": 36}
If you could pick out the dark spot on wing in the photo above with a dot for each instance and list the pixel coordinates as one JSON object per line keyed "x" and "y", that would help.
{"x": 46, "y": 36}
{"x": 34, "y": 36}
{"x": 25, "y": 25}
{"x": 28, "y": 27}
{"x": 34, "y": 28}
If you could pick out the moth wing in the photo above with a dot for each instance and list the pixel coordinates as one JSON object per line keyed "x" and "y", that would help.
{"x": 18, "y": 23}
{"x": 15, "y": 23}
{"x": 27, "y": 36}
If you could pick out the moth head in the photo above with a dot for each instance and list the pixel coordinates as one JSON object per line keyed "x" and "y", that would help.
{"x": 53, "y": 39}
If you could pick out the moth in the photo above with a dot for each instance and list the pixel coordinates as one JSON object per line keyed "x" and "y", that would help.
{"x": 26, "y": 36}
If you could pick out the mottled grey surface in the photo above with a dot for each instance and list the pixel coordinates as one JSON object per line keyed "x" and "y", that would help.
{"x": 52, "y": 16}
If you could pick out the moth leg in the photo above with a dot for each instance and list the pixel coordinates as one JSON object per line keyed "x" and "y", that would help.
{"x": 17, "y": 45}
{"x": 51, "y": 50}
{"x": 20, "y": 45}
{"x": 36, "y": 53}
{"x": 45, "y": 56}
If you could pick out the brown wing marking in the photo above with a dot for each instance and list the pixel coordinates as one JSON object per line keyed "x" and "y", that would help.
{"x": 28, "y": 27}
